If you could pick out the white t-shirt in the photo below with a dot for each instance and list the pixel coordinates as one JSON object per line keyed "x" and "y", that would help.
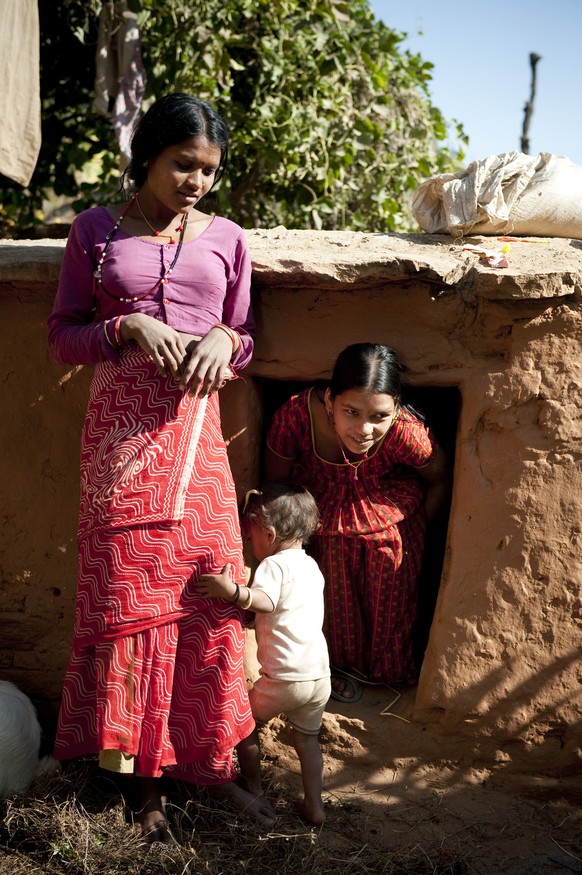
{"x": 290, "y": 643}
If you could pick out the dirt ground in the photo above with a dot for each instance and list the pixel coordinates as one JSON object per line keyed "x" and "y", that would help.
{"x": 400, "y": 797}
{"x": 411, "y": 792}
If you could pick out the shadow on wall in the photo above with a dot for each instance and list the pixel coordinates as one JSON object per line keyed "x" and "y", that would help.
{"x": 439, "y": 407}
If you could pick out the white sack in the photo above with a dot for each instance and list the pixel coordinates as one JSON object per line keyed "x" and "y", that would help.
{"x": 511, "y": 193}
{"x": 20, "y": 735}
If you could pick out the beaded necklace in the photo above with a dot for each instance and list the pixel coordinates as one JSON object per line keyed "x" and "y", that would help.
{"x": 98, "y": 274}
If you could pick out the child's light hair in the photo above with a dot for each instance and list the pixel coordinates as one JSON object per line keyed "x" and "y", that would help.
{"x": 289, "y": 509}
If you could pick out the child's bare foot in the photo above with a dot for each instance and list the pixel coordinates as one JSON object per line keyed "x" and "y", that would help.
{"x": 254, "y": 805}
{"x": 309, "y": 753}
{"x": 152, "y": 813}
{"x": 312, "y": 811}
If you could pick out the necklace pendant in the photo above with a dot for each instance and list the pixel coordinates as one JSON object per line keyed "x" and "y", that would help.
{"x": 156, "y": 233}
{"x": 172, "y": 240}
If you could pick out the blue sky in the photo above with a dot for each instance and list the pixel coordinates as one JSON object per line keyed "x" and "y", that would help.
{"x": 482, "y": 75}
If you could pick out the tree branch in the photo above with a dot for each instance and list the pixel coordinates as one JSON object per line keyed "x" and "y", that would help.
{"x": 528, "y": 108}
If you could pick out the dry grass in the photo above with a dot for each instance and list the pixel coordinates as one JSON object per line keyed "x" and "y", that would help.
{"x": 77, "y": 824}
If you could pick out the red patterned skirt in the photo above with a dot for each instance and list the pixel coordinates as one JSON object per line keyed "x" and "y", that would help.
{"x": 156, "y": 671}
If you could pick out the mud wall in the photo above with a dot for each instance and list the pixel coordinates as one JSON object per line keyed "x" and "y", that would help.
{"x": 502, "y": 660}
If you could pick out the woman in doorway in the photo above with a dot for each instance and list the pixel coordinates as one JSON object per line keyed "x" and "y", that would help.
{"x": 377, "y": 474}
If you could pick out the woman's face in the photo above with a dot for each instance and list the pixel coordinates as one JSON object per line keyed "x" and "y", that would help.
{"x": 360, "y": 417}
{"x": 180, "y": 176}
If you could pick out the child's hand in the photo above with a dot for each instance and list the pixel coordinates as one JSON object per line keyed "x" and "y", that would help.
{"x": 217, "y": 585}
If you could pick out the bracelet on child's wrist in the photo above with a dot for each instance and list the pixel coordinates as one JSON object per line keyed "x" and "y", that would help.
{"x": 236, "y": 595}
{"x": 249, "y": 600}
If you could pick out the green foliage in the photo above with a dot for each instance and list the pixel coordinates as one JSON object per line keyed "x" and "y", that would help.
{"x": 331, "y": 121}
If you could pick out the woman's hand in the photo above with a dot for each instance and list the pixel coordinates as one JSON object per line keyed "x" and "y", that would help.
{"x": 206, "y": 369}
{"x": 163, "y": 344}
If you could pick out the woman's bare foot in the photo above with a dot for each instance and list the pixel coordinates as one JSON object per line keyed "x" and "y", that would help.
{"x": 251, "y": 786}
{"x": 152, "y": 812}
{"x": 255, "y": 806}
{"x": 344, "y": 687}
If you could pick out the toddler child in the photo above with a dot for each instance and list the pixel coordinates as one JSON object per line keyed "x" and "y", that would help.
{"x": 287, "y": 597}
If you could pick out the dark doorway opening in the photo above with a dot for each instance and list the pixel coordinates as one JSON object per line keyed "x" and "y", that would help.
{"x": 439, "y": 407}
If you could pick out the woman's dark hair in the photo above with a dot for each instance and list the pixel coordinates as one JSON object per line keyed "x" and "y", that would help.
{"x": 169, "y": 121}
{"x": 369, "y": 366}
{"x": 290, "y": 509}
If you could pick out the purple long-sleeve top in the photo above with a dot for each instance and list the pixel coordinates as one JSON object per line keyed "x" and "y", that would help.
{"x": 209, "y": 284}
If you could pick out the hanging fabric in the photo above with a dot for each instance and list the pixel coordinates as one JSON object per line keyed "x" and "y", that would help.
{"x": 120, "y": 76}
{"x": 20, "y": 133}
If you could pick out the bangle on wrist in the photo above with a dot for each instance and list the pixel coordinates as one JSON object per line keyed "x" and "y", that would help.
{"x": 117, "y": 341}
{"x": 236, "y": 595}
{"x": 249, "y": 600}
{"x": 117, "y": 331}
{"x": 237, "y": 341}
{"x": 234, "y": 336}
{"x": 106, "y": 325}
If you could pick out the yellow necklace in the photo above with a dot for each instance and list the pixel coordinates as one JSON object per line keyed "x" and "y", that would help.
{"x": 354, "y": 465}
{"x": 179, "y": 229}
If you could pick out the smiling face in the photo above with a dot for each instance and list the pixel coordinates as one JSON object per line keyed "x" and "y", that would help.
{"x": 180, "y": 176}
{"x": 360, "y": 417}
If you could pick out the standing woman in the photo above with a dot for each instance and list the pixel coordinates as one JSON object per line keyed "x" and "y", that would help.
{"x": 156, "y": 294}
{"x": 377, "y": 474}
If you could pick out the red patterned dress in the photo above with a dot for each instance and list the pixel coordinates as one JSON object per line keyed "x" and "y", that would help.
{"x": 370, "y": 542}
{"x": 156, "y": 671}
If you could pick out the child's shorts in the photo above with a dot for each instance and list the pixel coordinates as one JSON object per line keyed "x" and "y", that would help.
{"x": 302, "y": 702}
